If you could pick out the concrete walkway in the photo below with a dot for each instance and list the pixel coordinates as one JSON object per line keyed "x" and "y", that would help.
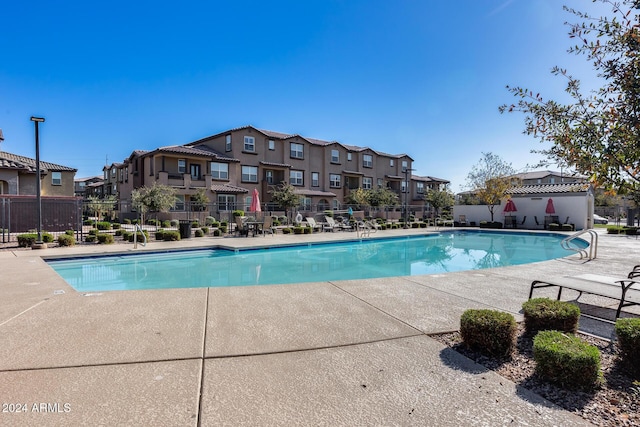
{"x": 330, "y": 353}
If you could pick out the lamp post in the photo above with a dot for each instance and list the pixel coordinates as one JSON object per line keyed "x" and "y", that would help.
{"x": 39, "y": 244}
{"x": 406, "y": 196}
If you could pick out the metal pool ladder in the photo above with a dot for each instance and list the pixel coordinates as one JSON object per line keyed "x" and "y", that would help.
{"x": 592, "y": 253}
{"x": 135, "y": 236}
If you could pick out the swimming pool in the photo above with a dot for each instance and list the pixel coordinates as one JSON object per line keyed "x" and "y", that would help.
{"x": 431, "y": 254}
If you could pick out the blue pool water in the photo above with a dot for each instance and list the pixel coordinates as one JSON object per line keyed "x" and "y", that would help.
{"x": 432, "y": 254}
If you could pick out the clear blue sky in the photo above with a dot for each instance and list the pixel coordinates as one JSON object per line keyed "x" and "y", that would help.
{"x": 421, "y": 77}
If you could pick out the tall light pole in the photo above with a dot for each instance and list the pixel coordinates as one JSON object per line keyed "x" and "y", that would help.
{"x": 39, "y": 244}
{"x": 406, "y": 196}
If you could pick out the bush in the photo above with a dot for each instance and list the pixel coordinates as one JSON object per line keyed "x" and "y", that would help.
{"x": 217, "y": 232}
{"x": 490, "y": 224}
{"x": 152, "y": 221}
{"x": 630, "y": 231}
{"x": 215, "y": 224}
{"x": 223, "y": 229}
{"x": 628, "y": 333}
{"x": 160, "y": 234}
{"x": 66, "y": 240}
{"x": 171, "y": 236}
{"x": 286, "y": 230}
{"x": 103, "y": 225}
{"x": 205, "y": 230}
{"x": 87, "y": 222}
{"x": 614, "y": 229}
{"x": 195, "y": 224}
{"x": 127, "y": 221}
{"x": 125, "y": 235}
{"x": 547, "y": 314}
{"x": 567, "y": 361}
{"x": 90, "y": 238}
{"x": 93, "y": 232}
{"x": 139, "y": 237}
{"x": 237, "y": 212}
{"x": 422, "y": 225}
{"x": 199, "y": 233}
{"x": 28, "y": 239}
{"x": 209, "y": 220}
{"x": 105, "y": 238}
{"x": 165, "y": 224}
{"x": 490, "y": 331}
{"x": 175, "y": 223}
{"x": 115, "y": 225}
{"x": 298, "y": 230}
{"x": 69, "y": 232}
{"x": 415, "y": 225}
{"x": 307, "y": 230}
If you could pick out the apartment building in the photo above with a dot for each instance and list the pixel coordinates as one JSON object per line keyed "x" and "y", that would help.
{"x": 18, "y": 177}
{"x": 231, "y": 164}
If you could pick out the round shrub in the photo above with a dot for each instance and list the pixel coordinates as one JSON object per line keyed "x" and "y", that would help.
{"x": 139, "y": 237}
{"x": 90, "y": 238}
{"x": 567, "y": 361}
{"x": 115, "y": 225}
{"x": 286, "y": 230}
{"x": 66, "y": 240}
{"x": 223, "y": 228}
{"x": 217, "y": 232}
{"x": 160, "y": 234}
{"x": 237, "y": 212}
{"x": 174, "y": 222}
{"x": 69, "y": 232}
{"x": 105, "y": 238}
{"x": 298, "y": 230}
{"x": 103, "y": 225}
{"x": 127, "y": 221}
{"x": 87, "y": 222}
{"x": 166, "y": 223}
{"x": 307, "y": 230}
{"x": 628, "y": 333}
{"x": 171, "y": 236}
{"x": 205, "y": 230}
{"x": 489, "y": 331}
{"x": 118, "y": 232}
{"x": 195, "y": 224}
{"x": 199, "y": 233}
{"x": 93, "y": 232}
{"x": 209, "y": 220}
{"x": 547, "y": 314}
{"x": 125, "y": 235}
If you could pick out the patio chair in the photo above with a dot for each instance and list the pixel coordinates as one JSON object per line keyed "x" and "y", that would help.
{"x": 313, "y": 224}
{"x": 462, "y": 220}
{"x": 267, "y": 225}
{"x": 329, "y": 224}
{"x": 241, "y": 227}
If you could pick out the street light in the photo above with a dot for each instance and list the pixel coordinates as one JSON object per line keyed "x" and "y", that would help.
{"x": 39, "y": 244}
{"x": 406, "y": 196}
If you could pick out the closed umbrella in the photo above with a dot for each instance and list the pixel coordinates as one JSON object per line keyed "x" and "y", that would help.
{"x": 550, "y": 208}
{"x": 510, "y": 206}
{"x": 255, "y": 202}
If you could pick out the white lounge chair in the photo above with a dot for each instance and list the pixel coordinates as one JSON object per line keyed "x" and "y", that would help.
{"x": 313, "y": 224}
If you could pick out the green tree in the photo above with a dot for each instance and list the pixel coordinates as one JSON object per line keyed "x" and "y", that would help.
{"x": 157, "y": 198}
{"x": 490, "y": 180}
{"x": 358, "y": 197}
{"x": 383, "y": 197}
{"x": 439, "y": 199}
{"x": 199, "y": 200}
{"x": 597, "y": 132}
{"x": 98, "y": 206}
{"x": 284, "y": 196}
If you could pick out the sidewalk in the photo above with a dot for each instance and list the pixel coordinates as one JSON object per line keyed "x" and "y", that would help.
{"x": 329, "y": 353}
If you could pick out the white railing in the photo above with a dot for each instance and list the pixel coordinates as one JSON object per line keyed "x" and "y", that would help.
{"x": 135, "y": 236}
{"x": 365, "y": 228}
{"x": 592, "y": 253}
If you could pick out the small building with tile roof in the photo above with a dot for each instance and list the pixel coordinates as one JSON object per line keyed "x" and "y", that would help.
{"x": 18, "y": 177}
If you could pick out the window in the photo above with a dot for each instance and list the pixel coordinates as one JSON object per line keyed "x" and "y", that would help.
{"x": 297, "y": 151}
{"x": 367, "y": 183}
{"x": 249, "y": 174}
{"x": 367, "y": 161}
{"x": 295, "y": 178}
{"x": 269, "y": 176}
{"x": 121, "y": 175}
{"x": 315, "y": 179}
{"x": 335, "y": 156}
{"x": 106, "y": 175}
{"x": 553, "y": 180}
{"x": 56, "y": 178}
{"x": 179, "y": 206}
{"x": 182, "y": 166}
{"x": 349, "y": 157}
{"x": 272, "y": 144}
{"x": 113, "y": 173}
{"x": 247, "y": 201}
{"x": 227, "y": 143}
{"x": 334, "y": 203}
{"x": 391, "y": 162}
{"x": 219, "y": 171}
{"x": 380, "y": 182}
{"x": 126, "y": 174}
{"x": 226, "y": 202}
{"x": 403, "y": 186}
{"x": 82, "y": 184}
{"x": 404, "y": 165}
{"x": 420, "y": 187}
{"x": 306, "y": 203}
{"x": 249, "y": 143}
{"x": 334, "y": 180}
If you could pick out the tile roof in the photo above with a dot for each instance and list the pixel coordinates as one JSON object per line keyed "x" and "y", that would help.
{"x": 574, "y": 187}
{"x": 281, "y": 165}
{"x": 227, "y": 188}
{"x": 346, "y": 172}
{"x": 16, "y": 162}
{"x": 428, "y": 179}
{"x": 546, "y": 173}
{"x": 200, "y": 150}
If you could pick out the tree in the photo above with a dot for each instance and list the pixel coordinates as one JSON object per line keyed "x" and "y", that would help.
{"x": 359, "y": 197}
{"x": 383, "y": 196}
{"x": 597, "y": 133}
{"x": 284, "y": 196}
{"x": 490, "y": 179}
{"x": 199, "y": 200}
{"x": 439, "y": 199}
{"x": 99, "y": 206}
{"x": 157, "y": 198}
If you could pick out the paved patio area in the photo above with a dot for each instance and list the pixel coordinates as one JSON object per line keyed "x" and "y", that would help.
{"x": 351, "y": 352}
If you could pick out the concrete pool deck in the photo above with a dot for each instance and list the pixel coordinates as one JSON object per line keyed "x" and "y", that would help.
{"x": 351, "y": 352}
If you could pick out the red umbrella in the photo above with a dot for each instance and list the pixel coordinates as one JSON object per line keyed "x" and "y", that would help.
{"x": 550, "y": 209}
{"x": 255, "y": 202}
{"x": 510, "y": 206}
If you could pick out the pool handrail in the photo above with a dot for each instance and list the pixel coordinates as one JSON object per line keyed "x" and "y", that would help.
{"x": 593, "y": 244}
{"x": 135, "y": 236}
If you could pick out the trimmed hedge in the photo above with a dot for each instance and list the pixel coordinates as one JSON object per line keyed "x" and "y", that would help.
{"x": 199, "y": 233}
{"x": 28, "y": 239}
{"x": 103, "y": 225}
{"x": 105, "y": 238}
{"x": 548, "y": 314}
{"x": 628, "y": 333}
{"x": 489, "y": 331}
{"x": 66, "y": 240}
{"x": 567, "y": 361}
{"x": 171, "y": 236}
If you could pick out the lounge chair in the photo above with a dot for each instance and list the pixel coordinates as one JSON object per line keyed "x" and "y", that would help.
{"x": 617, "y": 288}
{"x": 333, "y": 224}
{"x": 328, "y": 225}
{"x": 267, "y": 225}
{"x": 462, "y": 220}
{"x": 241, "y": 227}
{"x": 313, "y": 224}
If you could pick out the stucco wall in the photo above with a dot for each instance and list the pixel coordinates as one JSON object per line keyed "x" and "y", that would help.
{"x": 574, "y": 205}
